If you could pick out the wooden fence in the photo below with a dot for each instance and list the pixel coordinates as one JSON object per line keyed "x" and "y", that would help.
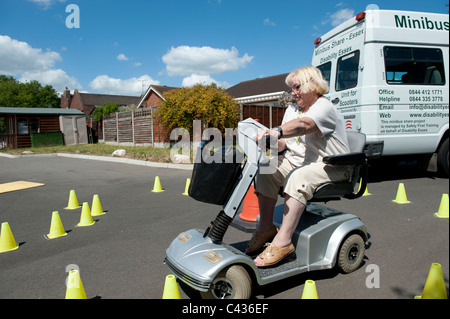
{"x": 137, "y": 127}
{"x": 140, "y": 127}
{"x": 267, "y": 116}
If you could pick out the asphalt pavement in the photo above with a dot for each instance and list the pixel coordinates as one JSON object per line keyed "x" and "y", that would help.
{"x": 121, "y": 255}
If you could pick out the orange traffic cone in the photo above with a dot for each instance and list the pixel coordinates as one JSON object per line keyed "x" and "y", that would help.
{"x": 250, "y": 208}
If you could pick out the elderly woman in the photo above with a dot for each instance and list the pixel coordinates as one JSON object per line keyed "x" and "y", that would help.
{"x": 310, "y": 130}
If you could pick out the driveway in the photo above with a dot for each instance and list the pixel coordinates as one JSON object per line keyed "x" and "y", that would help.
{"x": 121, "y": 255}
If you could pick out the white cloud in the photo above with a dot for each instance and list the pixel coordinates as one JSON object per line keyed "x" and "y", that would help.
{"x": 132, "y": 86}
{"x": 335, "y": 19}
{"x": 202, "y": 79}
{"x": 341, "y": 16}
{"x": 20, "y": 60}
{"x": 186, "y": 60}
{"x": 46, "y": 3}
{"x": 58, "y": 79}
{"x": 122, "y": 57}
{"x": 17, "y": 57}
{"x": 269, "y": 23}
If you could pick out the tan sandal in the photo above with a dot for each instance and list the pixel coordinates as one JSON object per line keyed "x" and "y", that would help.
{"x": 260, "y": 239}
{"x": 272, "y": 255}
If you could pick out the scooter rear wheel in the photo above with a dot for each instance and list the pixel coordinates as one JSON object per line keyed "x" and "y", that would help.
{"x": 232, "y": 282}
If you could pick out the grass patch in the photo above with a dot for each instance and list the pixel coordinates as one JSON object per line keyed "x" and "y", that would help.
{"x": 146, "y": 153}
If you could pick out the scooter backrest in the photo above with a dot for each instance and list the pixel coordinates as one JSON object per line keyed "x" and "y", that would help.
{"x": 356, "y": 141}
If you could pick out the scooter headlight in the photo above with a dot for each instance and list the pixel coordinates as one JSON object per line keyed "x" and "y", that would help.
{"x": 183, "y": 237}
{"x": 212, "y": 256}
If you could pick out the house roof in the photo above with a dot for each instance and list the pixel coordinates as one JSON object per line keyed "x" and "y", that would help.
{"x": 262, "y": 89}
{"x": 39, "y": 111}
{"x": 158, "y": 89}
{"x": 100, "y": 99}
{"x": 163, "y": 89}
{"x": 261, "y": 86}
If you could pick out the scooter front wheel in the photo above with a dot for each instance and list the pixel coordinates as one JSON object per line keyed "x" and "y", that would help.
{"x": 232, "y": 282}
{"x": 351, "y": 254}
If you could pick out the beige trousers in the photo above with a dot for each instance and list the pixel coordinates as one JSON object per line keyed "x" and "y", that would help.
{"x": 299, "y": 182}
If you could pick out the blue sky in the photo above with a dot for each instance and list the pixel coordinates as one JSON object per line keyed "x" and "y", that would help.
{"x": 122, "y": 47}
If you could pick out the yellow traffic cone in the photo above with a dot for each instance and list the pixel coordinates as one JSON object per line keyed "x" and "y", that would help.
{"x": 435, "y": 285}
{"x": 75, "y": 289}
{"x": 7, "y": 242}
{"x": 86, "y": 217}
{"x": 186, "y": 189}
{"x": 366, "y": 191}
{"x": 401, "y": 195}
{"x": 309, "y": 291}
{"x": 97, "y": 209}
{"x": 171, "y": 288}
{"x": 443, "y": 207}
{"x": 157, "y": 186}
{"x": 56, "y": 227}
{"x": 73, "y": 201}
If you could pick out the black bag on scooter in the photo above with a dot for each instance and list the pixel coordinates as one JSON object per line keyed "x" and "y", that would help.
{"x": 215, "y": 173}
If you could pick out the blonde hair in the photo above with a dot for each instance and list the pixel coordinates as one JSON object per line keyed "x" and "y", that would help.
{"x": 307, "y": 76}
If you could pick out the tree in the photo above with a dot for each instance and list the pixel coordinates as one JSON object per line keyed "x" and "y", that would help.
{"x": 213, "y": 106}
{"x": 30, "y": 94}
{"x": 107, "y": 108}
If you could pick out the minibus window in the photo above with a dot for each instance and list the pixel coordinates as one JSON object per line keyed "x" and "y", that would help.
{"x": 419, "y": 66}
{"x": 347, "y": 71}
{"x": 326, "y": 71}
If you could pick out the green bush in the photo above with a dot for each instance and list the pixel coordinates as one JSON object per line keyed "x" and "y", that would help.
{"x": 213, "y": 106}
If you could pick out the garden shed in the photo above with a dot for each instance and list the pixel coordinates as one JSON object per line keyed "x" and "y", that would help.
{"x": 32, "y": 127}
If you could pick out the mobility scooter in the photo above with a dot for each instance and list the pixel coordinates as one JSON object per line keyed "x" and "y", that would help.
{"x": 325, "y": 238}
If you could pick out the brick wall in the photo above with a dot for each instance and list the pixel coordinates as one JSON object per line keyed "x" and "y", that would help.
{"x": 153, "y": 100}
{"x": 76, "y": 102}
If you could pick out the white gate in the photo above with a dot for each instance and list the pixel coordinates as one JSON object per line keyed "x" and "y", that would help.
{"x": 74, "y": 129}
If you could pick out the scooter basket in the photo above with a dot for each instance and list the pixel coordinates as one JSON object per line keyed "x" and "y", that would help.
{"x": 215, "y": 174}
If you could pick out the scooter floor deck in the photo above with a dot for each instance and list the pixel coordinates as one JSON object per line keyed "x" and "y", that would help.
{"x": 284, "y": 266}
